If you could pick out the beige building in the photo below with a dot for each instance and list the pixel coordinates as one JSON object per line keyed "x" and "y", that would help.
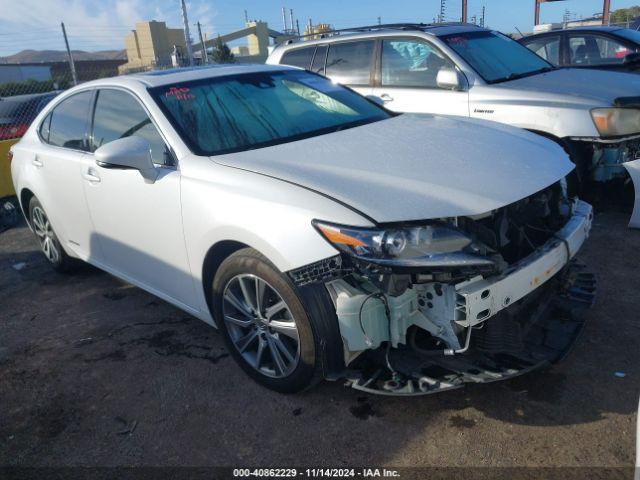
{"x": 151, "y": 43}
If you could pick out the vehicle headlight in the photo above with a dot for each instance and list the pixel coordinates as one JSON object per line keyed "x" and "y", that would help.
{"x": 614, "y": 122}
{"x": 429, "y": 245}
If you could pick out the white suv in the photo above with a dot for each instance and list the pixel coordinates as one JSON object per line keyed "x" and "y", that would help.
{"x": 324, "y": 236}
{"x": 469, "y": 71}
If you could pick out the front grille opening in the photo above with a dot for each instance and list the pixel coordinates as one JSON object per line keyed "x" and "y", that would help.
{"x": 517, "y": 230}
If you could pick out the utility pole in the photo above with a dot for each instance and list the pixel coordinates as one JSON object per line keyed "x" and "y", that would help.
{"x": 246, "y": 17}
{"x": 72, "y": 66}
{"x": 291, "y": 19}
{"x": 443, "y": 6}
{"x": 205, "y": 57}
{"x": 284, "y": 20}
{"x": 464, "y": 11}
{"x": 379, "y": 20}
{"x": 298, "y": 26}
{"x": 536, "y": 18}
{"x": 187, "y": 35}
{"x": 310, "y": 26}
{"x": 606, "y": 12}
{"x": 482, "y": 18}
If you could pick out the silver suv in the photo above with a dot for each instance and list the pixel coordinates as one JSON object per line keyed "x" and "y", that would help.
{"x": 459, "y": 69}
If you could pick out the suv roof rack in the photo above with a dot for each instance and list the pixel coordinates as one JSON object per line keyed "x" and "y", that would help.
{"x": 372, "y": 28}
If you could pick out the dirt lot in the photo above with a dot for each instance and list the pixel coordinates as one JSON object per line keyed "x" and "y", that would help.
{"x": 96, "y": 372}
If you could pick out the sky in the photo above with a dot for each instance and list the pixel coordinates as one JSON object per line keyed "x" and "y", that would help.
{"x": 102, "y": 24}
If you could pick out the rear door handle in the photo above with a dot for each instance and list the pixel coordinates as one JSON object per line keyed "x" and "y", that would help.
{"x": 91, "y": 176}
{"x": 385, "y": 97}
{"x": 37, "y": 162}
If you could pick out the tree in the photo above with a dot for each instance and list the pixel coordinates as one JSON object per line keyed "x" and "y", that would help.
{"x": 221, "y": 52}
{"x": 624, "y": 15}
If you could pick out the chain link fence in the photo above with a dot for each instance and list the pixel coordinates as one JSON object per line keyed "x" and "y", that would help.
{"x": 26, "y": 88}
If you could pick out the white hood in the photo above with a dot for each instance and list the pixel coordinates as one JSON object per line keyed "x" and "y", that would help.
{"x": 416, "y": 167}
{"x": 599, "y": 86}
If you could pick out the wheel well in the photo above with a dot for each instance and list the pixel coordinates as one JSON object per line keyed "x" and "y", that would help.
{"x": 25, "y": 197}
{"x": 212, "y": 261}
{"x": 551, "y": 137}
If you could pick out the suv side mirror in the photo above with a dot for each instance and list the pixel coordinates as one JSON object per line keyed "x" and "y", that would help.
{"x": 128, "y": 153}
{"x": 450, "y": 79}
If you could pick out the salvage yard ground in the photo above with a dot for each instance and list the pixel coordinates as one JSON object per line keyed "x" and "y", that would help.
{"x": 96, "y": 372}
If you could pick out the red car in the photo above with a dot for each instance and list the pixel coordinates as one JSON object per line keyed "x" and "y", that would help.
{"x": 17, "y": 113}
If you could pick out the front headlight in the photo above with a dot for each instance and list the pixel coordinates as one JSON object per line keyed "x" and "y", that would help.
{"x": 433, "y": 245}
{"x": 615, "y": 122}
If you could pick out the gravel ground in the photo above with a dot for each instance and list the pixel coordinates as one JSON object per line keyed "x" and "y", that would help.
{"x": 94, "y": 372}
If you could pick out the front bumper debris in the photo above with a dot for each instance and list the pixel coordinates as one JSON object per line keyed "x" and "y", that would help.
{"x": 526, "y": 318}
{"x": 555, "y": 314}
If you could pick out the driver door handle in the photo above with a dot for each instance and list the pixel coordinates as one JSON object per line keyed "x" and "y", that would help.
{"x": 91, "y": 176}
{"x": 37, "y": 162}
{"x": 385, "y": 97}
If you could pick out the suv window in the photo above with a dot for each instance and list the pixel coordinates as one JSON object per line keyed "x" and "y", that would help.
{"x": 412, "y": 63}
{"x": 547, "y": 47}
{"x": 118, "y": 115}
{"x": 596, "y": 50}
{"x": 68, "y": 124}
{"x": 350, "y": 63}
{"x": 300, "y": 57}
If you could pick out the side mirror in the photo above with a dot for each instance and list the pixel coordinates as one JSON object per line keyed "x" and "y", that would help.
{"x": 450, "y": 79}
{"x": 632, "y": 59}
{"x": 128, "y": 153}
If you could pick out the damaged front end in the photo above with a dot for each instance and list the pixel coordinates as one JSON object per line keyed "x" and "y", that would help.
{"x": 426, "y": 307}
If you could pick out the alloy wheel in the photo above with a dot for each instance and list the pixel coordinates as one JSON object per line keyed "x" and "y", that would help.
{"x": 44, "y": 232}
{"x": 261, "y": 326}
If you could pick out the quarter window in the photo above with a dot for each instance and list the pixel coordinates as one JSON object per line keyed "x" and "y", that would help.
{"x": 119, "y": 115}
{"x": 410, "y": 63}
{"x": 68, "y": 125}
{"x": 300, "y": 57}
{"x": 547, "y": 48}
{"x": 596, "y": 50}
{"x": 350, "y": 63}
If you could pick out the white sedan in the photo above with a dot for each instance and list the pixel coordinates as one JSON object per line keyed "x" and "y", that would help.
{"x": 325, "y": 236}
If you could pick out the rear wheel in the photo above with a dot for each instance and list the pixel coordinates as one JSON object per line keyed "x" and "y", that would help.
{"x": 264, "y": 323}
{"x": 49, "y": 243}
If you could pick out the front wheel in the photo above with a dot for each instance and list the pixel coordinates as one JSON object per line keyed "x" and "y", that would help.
{"x": 49, "y": 243}
{"x": 264, "y": 323}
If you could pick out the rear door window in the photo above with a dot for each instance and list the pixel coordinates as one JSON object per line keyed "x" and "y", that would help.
{"x": 69, "y": 121}
{"x": 350, "y": 63}
{"x": 300, "y": 57}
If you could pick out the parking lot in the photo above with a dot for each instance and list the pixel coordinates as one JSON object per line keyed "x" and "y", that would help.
{"x": 96, "y": 372}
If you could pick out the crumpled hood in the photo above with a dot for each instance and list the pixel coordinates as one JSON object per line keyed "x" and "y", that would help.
{"x": 599, "y": 85}
{"x": 415, "y": 167}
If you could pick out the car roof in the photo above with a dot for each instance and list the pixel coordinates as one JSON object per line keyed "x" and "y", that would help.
{"x": 178, "y": 75}
{"x": 594, "y": 29}
{"x": 437, "y": 29}
{"x": 29, "y": 96}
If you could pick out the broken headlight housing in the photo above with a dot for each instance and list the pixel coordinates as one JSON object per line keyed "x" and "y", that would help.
{"x": 615, "y": 122}
{"x": 434, "y": 245}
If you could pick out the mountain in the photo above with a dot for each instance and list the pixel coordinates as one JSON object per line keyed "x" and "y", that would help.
{"x": 34, "y": 56}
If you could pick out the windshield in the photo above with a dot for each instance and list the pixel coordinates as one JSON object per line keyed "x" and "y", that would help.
{"x": 629, "y": 34}
{"x": 495, "y": 57}
{"x": 247, "y": 111}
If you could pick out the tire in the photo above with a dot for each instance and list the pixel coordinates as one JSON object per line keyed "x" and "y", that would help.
{"x": 237, "y": 280}
{"x": 49, "y": 243}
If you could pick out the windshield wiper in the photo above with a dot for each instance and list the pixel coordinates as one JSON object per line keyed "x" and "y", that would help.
{"x": 516, "y": 76}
